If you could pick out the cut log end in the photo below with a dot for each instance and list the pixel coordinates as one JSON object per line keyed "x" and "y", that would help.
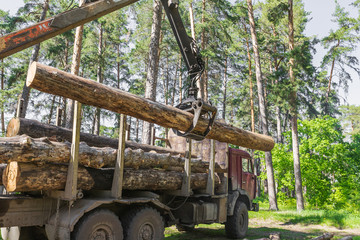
{"x": 10, "y": 176}
{"x": 13, "y": 127}
{"x": 31, "y": 74}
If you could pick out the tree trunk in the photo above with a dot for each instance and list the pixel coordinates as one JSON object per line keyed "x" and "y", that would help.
{"x": 201, "y": 82}
{"x": 294, "y": 130}
{"x": 35, "y": 129}
{"x": 252, "y": 112}
{"x": 224, "y": 88}
{"x": 51, "y": 109}
{"x": 262, "y": 107}
{"x": 192, "y": 25}
{"x": 180, "y": 82}
{"x": 2, "y": 88}
{"x": 41, "y": 150}
{"x": 99, "y": 78}
{"x": 25, "y": 95}
{"x": 32, "y": 177}
{"x": 329, "y": 84}
{"x": 153, "y": 65}
{"x": 51, "y": 80}
{"x": 137, "y": 130}
{"x": 177, "y": 70}
{"x": 75, "y": 66}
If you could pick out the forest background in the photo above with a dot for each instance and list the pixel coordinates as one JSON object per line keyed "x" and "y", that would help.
{"x": 115, "y": 51}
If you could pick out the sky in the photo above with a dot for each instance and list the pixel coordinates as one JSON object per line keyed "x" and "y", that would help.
{"x": 320, "y": 25}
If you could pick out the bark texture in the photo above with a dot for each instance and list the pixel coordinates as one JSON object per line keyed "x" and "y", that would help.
{"x": 35, "y": 129}
{"x": 31, "y": 177}
{"x": 294, "y": 130}
{"x": 153, "y": 65}
{"x": 52, "y": 80}
{"x": 41, "y": 150}
{"x": 262, "y": 108}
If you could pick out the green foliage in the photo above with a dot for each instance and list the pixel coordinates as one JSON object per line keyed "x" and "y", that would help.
{"x": 328, "y": 165}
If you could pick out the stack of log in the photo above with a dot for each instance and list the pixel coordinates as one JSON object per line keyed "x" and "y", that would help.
{"x": 35, "y": 164}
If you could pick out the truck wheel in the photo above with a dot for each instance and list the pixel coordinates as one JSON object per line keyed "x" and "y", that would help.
{"x": 98, "y": 225}
{"x": 143, "y": 224}
{"x": 236, "y": 225}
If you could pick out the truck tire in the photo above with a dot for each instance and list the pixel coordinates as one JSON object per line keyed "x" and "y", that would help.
{"x": 143, "y": 224}
{"x": 99, "y": 224}
{"x": 236, "y": 225}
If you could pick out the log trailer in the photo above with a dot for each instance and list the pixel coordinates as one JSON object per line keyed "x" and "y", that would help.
{"x": 123, "y": 207}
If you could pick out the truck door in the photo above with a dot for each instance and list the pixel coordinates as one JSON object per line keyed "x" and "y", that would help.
{"x": 248, "y": 177}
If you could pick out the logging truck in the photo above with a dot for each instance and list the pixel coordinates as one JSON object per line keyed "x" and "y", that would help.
{"x": 63, "y": 184}
{"x": 222, "y": 193}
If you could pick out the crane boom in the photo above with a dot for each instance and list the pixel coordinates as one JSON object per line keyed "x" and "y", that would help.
{"x": 27, "y": 37}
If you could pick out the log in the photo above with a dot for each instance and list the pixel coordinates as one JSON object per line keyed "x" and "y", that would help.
{"x": 41, "y": 150}
{"x": 36, "y": 129}
{"x": 325, "y": 236}
{"x": 25, "y": 177}
{"x": 51, "y": 80}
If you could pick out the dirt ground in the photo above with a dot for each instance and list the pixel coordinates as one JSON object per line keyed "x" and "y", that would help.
{"x": 295, "y": 231}
{"x": 259, "y": 228}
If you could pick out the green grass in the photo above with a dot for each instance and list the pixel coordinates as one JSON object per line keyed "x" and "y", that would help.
{"x": 338, "y": 219}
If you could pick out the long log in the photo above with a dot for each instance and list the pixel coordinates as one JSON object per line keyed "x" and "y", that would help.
{"x": 31, "y": 177}
{"x": 41, "y": 150}
{"x": 36, "y": 129}
{"x": 51, "y": 80}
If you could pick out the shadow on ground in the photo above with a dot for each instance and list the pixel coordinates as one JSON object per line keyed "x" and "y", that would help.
{"x": 336, "y": 219}
{"x": 253, "y": 233}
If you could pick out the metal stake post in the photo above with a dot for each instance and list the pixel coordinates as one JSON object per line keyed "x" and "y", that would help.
{"x": 186, "y": 185}
{"x": 71, "y": 181}
{"x": 210, "y": 182}
{"x": 116, "y": 188}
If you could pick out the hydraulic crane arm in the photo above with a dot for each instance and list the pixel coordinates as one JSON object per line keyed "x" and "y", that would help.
{"x": 195, "y": 65}
{"x": 17, "y": 41}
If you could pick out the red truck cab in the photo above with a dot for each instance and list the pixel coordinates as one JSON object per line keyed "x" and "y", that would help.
{"x": 241, "y": 173}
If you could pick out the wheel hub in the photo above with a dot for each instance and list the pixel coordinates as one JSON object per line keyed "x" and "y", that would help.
{"x": 146, "y": 232}
{"x": 102, "y": 233}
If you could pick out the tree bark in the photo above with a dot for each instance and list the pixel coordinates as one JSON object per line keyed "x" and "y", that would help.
{"x": 153, "y": 65}
{"x": 262, "y": 107}
{"x": 294, "y": 130}
{"x": 277, "y": 108}
{"x": 41, "y": 150}
{"x": 51, "y": 109}
{"x": 32, "y": 177}
{"x": 51, "y": 80}
{"x": 252, "y": 112}
{"x": 2, "y": 88}
{"x": 224, "y": 88}
{"x": 75, "y": 66}
{"x": 180, "y": 82}
{"x": 99, "y": 78}
{"x": 35, "y": 129}
{"x": 25, "y": 95}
